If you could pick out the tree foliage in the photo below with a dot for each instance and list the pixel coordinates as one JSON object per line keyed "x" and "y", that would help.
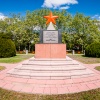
{"x": 7, "y": 47}
{"x": 77, "y": 31}
{"x": 93, "y": 50}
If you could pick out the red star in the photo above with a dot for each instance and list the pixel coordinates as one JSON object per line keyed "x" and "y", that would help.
{"x": 51, "y": 18}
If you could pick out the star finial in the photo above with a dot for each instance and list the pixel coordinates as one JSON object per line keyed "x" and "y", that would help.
{"x": 51, "y": 18}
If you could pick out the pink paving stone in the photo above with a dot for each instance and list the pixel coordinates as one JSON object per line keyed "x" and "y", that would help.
{"x": 58, "y": 85}
{"x": 19, "y": 80}
{"x": 8, "y": 78}
{"x": 51, "y": 86}
{"x": 68, "y": 81}
{"x": 2, "y": 81}
{"x": 63, "y": 90}
{"x": 2, "y": 84}
{"x": 98, "y": 77}
{"x": 47, "y": 86}
{"x": 47, "y": 91}
{"x": 2, "y": 76}
{"x": 7, "y": 82}
{"x": 40, "y": 81}
{"x": 54, "y": 90}
{"x": 8, "y": 86}
{"x": 17, "y": 88}
{"x": 83, "y": 87}
{"x": 27, "y": 89}
{"x": 35, "y": 81}
{"x": 86, "y": 79}
{"x": 97, "y": 84}
{"x": 42, "y": 85}
{"x": 55, "y": 82}
{"x": 93, "y": 78}
{"x": 66, "y": 85}
{"x": 73, "y": 89}
{"x": 31, "y": 81}
{"x": 37, "y": 90}
{"x": 77, "y": 80}
{"x": 91, "y": 86}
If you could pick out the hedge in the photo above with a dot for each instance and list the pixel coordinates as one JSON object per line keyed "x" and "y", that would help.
{"x": 93, "y": 50}
{"x": 7, "y": 48}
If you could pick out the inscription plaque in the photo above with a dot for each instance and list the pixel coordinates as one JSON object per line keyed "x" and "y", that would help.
{"x": 50, "y": 36}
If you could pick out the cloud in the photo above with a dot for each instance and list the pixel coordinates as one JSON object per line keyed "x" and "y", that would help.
{"x": 2, "y": 17}
{"x": 97, "y": 16}
{"x": 59, "y": 4}
{"x": 64, "y": 7}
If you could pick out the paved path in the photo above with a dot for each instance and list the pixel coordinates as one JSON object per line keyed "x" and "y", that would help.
{"x": 46, "y": 86}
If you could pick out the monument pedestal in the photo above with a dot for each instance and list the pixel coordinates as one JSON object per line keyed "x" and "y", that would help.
{"x": 50, "y": 50}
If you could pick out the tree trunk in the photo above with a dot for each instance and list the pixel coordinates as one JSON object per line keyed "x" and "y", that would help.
{"x": 29, "y": 47}
{"x": 19, "y": 48}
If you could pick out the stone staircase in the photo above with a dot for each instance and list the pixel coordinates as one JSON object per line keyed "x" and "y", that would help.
{"x": 50, "y": 69}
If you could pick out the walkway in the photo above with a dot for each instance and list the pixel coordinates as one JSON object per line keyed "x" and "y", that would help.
{"x": 49, "y": 86}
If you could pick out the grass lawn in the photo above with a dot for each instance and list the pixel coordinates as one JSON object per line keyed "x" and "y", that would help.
{"x": 83, "y": 59}
{"x": 2, "y": 68}
{"x": 97, "y": 68}
{"x": 89, "y": 95}
{"x": 16, "y": 59}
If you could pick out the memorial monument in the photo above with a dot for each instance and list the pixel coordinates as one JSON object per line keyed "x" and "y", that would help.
{"x": 50, "y": 45}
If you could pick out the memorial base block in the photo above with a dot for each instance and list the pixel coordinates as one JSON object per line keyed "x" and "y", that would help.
{"x": 50, "y": 50}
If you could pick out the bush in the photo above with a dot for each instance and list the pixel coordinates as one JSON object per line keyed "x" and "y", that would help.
{"x": 7, "y": 48}
{"x": 93, "y": 50}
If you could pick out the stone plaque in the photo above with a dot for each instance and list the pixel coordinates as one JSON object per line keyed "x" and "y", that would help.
{"x": 50, "y": 36}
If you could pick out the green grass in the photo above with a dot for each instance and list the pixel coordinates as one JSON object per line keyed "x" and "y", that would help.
{"x": 16, "y": 59}
{"x": 2, "y": 68}
{"x": 89, "y": 95}
{"x": 97, "y": 68}
{"x": 86, "y": 60}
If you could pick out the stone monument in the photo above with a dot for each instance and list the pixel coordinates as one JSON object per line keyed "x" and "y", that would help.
{"x": 50, "y": 45}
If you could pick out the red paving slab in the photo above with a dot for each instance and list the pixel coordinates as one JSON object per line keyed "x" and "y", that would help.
{"x": 17, "y": 88}
{"x": 83, "y": 87}
{"x": 91, "y": 85}
{"x": 27, "y": 89}
{"x": 53, "y": 90}
{"x": 63, "y": 90}
{"x": 49, "y": 86}
{"x": 38, "y": 90}
{"x": 47, "y": 91}
{"x": 2, "y": 84}
{"x": 19, "y": 80}
{"x": 8, "y": 86}
{"x": 73, "y": 89}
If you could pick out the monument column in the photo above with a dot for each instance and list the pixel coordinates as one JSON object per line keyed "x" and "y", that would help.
{"x": 50, "y": 45}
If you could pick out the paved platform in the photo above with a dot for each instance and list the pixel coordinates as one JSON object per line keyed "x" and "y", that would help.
{"x": 56, "y": 76}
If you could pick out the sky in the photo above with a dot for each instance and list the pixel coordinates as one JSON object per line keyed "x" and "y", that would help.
{"x": 87, "y": 7}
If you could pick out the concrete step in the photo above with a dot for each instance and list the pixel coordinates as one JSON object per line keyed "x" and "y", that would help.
{"x": 49, "y": 74}
{"x": 52, "y": 62}
{"x": 46, "y": 73}
{"x": 49, "y": 59}
{"x": 49, "y": 68}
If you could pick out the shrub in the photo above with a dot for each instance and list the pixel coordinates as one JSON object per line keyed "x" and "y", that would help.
{"x": 93, "y": 50}
{"x": 7, "y": 48}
